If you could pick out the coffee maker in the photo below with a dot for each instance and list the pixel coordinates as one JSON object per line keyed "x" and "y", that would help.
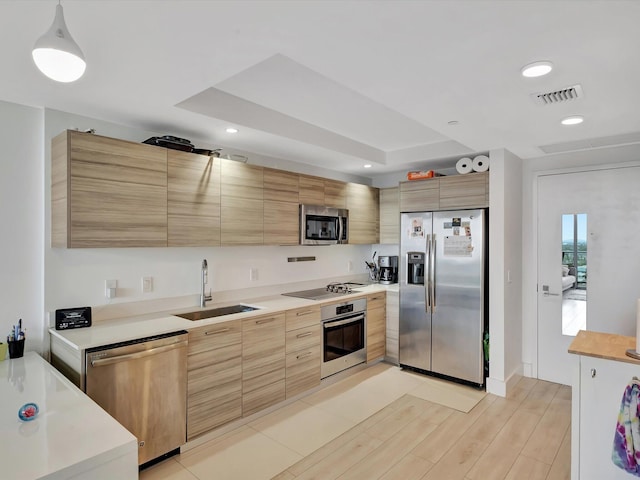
{"x": 388, "y": 269}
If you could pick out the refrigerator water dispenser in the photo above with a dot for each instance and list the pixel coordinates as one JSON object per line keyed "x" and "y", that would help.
{"x": 415, "y": 268}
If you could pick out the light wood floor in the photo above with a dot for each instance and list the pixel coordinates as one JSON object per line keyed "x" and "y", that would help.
{"x": 525, "y": 437}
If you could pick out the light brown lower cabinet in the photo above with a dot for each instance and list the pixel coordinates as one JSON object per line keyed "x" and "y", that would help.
{"x": 214, "y": 385}
{"x": 376, "y": 326}
{"x": 303, "y": 345}
{"x": 263, "y": 362}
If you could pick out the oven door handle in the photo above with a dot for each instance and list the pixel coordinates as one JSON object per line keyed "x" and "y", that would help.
{"x": 331, "y": 323}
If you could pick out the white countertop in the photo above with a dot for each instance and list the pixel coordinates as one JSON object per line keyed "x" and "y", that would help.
{"x": 70, "y": 435}
{"x": 130, "y": 328}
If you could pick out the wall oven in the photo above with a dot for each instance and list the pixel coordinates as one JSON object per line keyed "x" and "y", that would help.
{"x": 343, "y": 336}
{"x": 323, "y": 225}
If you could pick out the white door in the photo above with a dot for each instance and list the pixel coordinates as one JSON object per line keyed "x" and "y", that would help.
{"x": 611, "y": 201}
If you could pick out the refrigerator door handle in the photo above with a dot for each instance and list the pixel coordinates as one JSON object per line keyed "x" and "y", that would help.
{"x": 432, "y": 274}
{"x": 427, "y": 276}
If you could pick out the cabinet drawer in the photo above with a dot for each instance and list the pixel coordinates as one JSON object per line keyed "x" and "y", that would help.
{"x": 303, "y": 370}
{"x": 214, "y": 407}
{"x": 302, "y": 317}
{"x": 216, "y": 373}
{"x": 376, "y": 300}
{"x": 212, "y": 337}
{"x": 263, "y": 397}
{"x": 303, "y": 338}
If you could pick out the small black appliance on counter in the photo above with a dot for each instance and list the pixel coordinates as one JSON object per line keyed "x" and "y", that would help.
{"x": 388, "y": 269}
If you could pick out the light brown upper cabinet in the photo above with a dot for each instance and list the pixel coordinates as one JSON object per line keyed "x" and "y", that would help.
{"x": 241, "y": 201}
{"x": 107, "y": 192}
{"x": 322, "y": 191}
{"x": 420, "y": 195}
{"x": 445, "y": 193}
{"x": 281, "y": 219}
{"x": 193, "y": 188}
{"x": 335, "y": 193}
{"x": 390, "y": 215}
{"x": 363, "y": 205}
{"x": 464, "y": 191}
{"x": 311, "y": 190}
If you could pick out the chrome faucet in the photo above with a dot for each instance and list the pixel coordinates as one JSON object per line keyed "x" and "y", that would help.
{"x": 204, "y": 298}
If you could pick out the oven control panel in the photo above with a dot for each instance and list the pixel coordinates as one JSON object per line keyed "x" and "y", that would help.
{"x": 348, "y": 308}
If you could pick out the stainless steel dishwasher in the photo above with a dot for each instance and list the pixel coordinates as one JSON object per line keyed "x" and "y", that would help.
{"x": 143, "y": 385}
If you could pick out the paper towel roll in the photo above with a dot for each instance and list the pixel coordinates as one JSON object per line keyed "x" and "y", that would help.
{"x": 464, "y": 165}
{"x": 638, "y": 327}
{"x": 481, "y": 163}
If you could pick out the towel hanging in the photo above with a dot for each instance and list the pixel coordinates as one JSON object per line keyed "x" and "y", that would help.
{"x": 626, "y": 440}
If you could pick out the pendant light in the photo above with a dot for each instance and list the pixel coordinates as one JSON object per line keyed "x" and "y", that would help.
{"x": 56, "y": 54}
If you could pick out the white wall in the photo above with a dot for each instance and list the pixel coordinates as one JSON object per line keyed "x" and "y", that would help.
{"x": 573, "y": 161}
{"x": 21, "y": 216}
{"x": 505, "y": 258}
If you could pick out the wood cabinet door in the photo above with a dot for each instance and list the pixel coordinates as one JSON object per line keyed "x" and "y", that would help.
{"x": 241, "y": 211}
{"x": 281, "y": 208}
{"x": 335, "y": 193}
{"x": 311, "y": 190}
{"x": 214, "y": 378}
{"x": 464, "y": 191}
{"x": 117, "y": 192}
{"x": 420, "y": 195}
{"x": 263, "y": 362}
{"x": 376, "y": 326}
{"x": 390, "y": 215}
{"x": 363, "y": 205}
{"x": 193, "y": 196}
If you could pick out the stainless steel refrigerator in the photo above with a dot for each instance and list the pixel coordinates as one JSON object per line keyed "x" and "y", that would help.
{"x": 442, "y": 293}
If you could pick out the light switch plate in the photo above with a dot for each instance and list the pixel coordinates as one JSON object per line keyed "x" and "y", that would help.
{"x": 147, "y": 284}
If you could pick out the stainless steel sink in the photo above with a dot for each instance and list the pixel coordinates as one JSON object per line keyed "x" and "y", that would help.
{"x": 216, "y": 312}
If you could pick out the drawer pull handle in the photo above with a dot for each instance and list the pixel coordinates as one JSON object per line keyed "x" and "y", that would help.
{"x": 217, "y": 332}
{"x": 302, "y": 335}
{"x": 303, "y": 355}
{"x": 306, "y": 312}
{"x": 593, "y": 373}
{"x": 266, "y": 320}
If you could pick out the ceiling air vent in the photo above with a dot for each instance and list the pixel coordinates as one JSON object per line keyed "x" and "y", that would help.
{"x": 558, "y": 96}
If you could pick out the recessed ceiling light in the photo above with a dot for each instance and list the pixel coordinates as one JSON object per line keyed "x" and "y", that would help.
{"x": 537, "y": 69}
{"x": 368, "y": 165}
{"x": 232, "y": 130}
{"x": 572, "y": 120}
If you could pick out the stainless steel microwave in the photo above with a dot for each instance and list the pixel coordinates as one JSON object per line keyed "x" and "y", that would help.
{"x": 321, "y": 225}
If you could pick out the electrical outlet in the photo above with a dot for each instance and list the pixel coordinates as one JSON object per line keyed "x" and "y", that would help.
{"x": 110, "y": 287}
{"x": 349, "y": 266}
{"x": 147, "y": 284}
{"x": 253, "y": 274}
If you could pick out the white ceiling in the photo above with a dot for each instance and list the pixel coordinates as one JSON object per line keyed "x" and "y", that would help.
{"x": 338, "y": 84}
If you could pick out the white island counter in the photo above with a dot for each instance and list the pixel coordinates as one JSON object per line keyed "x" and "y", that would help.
{"x": 72, "y": 437}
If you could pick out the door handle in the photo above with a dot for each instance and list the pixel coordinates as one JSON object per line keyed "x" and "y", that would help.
{"x": 547, "y": 293}
{"x": 426, "y": 275}
{"x": 99, "y": 362}
{"x": 432, "y": 276}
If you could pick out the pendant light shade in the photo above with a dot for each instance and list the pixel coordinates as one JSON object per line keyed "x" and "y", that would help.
{"x": 56, "y": 54}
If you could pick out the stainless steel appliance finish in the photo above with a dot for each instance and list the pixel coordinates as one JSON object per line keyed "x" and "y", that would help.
{"x": 442, "y": 293}
{"x": 343, "y": 336}
{"x": 143, "y": 385}
{"x": 321, "y": 225}
{"x": 388, "y": 269}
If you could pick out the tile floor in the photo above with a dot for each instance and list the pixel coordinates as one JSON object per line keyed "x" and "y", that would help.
{"x": 386, "y": 423}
